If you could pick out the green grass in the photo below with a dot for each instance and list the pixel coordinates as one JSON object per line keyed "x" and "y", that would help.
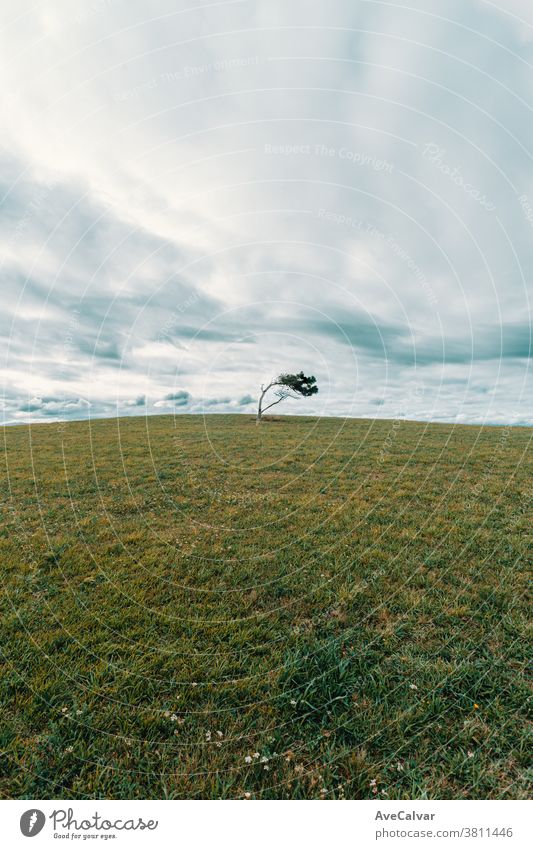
{"x": 345, "y": 598}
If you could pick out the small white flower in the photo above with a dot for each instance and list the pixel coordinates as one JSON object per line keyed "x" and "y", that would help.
{"x": 208, "y": 736}
{"x": 79, "y": 712}
{"x": 218, "y": 745}
{"x": 256, "y": 755}
{"x": 173, "y": 718}
{"x": 373, "y": 782}
{"x": 219, "y": 734}
{"x": 69, "y": 749}
{"x": 413, "y": 687}
{"x": 293, "y": 702}
{"x": 247, "y": 795}
{"x": 266, "y": 767}
{"x": 470, "y": 754}
{"x": 264, "y": 759}
{"x": 64, "y": 709}
{"x": 248, "y": 759}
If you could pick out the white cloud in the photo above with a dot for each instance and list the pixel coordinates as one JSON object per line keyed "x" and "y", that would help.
{"x": 200, "y": 195}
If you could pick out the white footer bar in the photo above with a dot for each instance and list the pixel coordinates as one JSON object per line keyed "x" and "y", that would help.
{"x": 272, "y": 825}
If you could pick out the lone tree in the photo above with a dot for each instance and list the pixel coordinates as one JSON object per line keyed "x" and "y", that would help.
{"x": 287, "y": 386}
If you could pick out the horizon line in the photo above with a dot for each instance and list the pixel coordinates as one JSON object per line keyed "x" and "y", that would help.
{"x": 252, "y": 416}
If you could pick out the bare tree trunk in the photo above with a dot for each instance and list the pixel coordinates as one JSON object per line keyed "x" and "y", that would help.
{"x": 259, "y": 409}
{"x": 264, "y": 390}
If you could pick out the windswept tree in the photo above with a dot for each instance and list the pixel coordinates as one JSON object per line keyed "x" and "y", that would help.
{"x": 286, "y": 386}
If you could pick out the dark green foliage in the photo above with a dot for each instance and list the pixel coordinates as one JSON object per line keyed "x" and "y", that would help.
{"x": 299, "y": 383}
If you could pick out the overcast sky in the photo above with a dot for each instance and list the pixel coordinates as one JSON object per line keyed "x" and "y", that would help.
{"x": 199, "y": 195}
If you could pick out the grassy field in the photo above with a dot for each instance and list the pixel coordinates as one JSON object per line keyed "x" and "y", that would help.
{"x": 312, "y": 608}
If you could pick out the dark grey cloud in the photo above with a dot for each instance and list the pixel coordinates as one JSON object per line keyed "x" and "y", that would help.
{"x": 245, "y": 400}
{"x": 497, "y": 343}
{"x": 55, "y": 407}
{"x": 361, "y": 333}
{"x": 216, "y": 402}
{"x": 175, "y": 399}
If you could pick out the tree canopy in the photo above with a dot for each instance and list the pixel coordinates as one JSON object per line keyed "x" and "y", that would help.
{"x": 287, "y": 386}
